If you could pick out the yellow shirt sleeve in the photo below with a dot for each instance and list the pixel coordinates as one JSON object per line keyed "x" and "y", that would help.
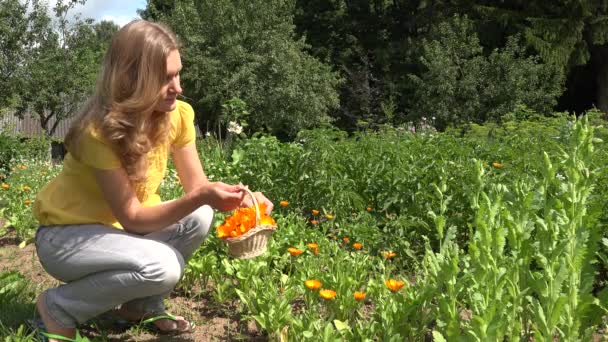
{"x": 183, "y": 123}
{"x": 95, "y": 153}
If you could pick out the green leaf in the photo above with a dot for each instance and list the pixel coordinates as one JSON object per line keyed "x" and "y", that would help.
{"x": 437, "y": 337}
{"x": 341, "y": 325}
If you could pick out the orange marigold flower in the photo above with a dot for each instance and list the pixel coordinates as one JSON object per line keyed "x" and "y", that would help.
{"x": 314, "y": 222}
{"x": 357, "y": 245}
{"x": 267, "y": 220}
{"x": 5, "y": 186}
{"x": 294, "y": 251}
{"x": 312, "y": 245}
{"x": 394, "y": 285}
{"x": 315, "y": 212}
{"x": 345, "y": 239}
{"x": 241, "y": 221}
{"x": 316, "y": 251}
{"x": 25, "y": 188}
{"x": 369, "y": 209}
{"x": 496, "y": 164}
{"x": 284, "y": 203}
{"x": 329, "y": 217}
{"x": 327, "y": 294}
{"x": 359, "y": 296}
{"x": 389, "y": 255}
{"x": 27, "y": 202}
{"x": 22, "y": 166}
{"x": 313, "y": 284}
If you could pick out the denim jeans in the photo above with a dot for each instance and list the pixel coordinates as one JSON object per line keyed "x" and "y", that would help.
{"x": 104, "y": 267}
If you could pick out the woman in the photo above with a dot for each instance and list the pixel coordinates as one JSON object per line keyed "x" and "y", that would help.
{"x": 104, "y": 230}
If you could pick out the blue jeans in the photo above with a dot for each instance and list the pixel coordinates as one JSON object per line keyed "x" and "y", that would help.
{"x": 104, "y": 267}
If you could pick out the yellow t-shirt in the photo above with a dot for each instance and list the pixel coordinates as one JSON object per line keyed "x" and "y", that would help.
{"x": 74, "y": 197}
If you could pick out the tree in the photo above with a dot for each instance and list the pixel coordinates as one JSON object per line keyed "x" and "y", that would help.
{"x": 248, "y": 50}
{"x": 61, "y": 62}
{"x": 565, "y": 33}
{"x": 463, "y": 84}
{"x": 13, "y": 35}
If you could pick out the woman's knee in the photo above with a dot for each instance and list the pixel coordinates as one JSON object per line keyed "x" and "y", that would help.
{"x": 163, "y": 268}
{"x": 198, "y": 223}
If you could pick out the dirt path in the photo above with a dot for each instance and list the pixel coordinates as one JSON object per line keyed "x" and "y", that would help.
{"x": 212, "y": 323}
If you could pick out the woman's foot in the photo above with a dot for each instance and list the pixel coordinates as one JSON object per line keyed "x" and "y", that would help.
{"x": 51, "y": 326}
{"x": 178, "y": 325}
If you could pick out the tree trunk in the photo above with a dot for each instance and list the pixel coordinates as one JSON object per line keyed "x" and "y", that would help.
{"x": 600, "y": 59}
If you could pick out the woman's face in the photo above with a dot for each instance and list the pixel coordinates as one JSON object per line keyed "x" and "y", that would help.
{"x": 172, "y": 87}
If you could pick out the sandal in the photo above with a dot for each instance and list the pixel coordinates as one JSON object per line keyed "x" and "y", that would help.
{"x": 38, "y": 326}
{"x": 149, "y": 323}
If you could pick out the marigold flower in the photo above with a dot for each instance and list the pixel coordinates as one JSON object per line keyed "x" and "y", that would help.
{"x": 315, "y": 212}
{"x": 329, "y": 217}
{"x": 327, "y": 294}
{"x": 313, "y": 284}
{"x": 241, "y": 221}
{"x": 345, "y": 239}
{"x": 389, "y": 255}
{"x": 25, "y": 188}
{"x": 294, "y": 251}
{"x": 316, "y": 251}
{"x": 314, "y": 222}
{"x": 22, "y": 166}
{"x": 357, "y": 245}
{"x": 369, "y": 209}
{"x": 284, "y": 203}
{"x": 359, "y": 296}
{"x": 5, "y": 186}
{"x": 496, "y": 164}
{"x": 394, "y": 285}
{"x": 27, "y": 202}
{"x": 312, "y": 245}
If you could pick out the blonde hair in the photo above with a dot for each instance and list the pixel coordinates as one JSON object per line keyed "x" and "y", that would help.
{"x": 122, "y": 109}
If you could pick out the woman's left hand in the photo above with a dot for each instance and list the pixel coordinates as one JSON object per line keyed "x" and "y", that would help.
{"x": 247, "y": 202}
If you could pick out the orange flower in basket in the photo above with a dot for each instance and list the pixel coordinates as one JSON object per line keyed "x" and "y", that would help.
{"x": 242, "y": 221}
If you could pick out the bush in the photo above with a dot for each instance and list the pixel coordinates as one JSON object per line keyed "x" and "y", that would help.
{"x": 463, "y": 84}
{"x": 14, "y": 149}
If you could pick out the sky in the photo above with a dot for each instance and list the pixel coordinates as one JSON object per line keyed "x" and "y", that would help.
{"x": 119, "y": 11}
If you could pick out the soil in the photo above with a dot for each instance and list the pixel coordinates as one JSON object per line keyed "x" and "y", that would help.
{"x": 213, "y": 322}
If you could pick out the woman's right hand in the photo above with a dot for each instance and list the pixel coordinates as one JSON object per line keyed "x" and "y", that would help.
{"x": 222, "y": 196}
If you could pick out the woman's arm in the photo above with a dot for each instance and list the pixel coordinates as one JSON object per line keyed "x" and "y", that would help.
{"x": 192, "y": 176}
{"x": 189, "y": 168}
{"x": 135, "y": 218}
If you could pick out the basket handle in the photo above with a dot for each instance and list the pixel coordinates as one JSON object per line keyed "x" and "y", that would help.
{"x": 255, "y": 206}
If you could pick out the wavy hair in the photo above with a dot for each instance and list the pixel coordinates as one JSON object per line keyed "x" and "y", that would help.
{"x": 122, "y": 108}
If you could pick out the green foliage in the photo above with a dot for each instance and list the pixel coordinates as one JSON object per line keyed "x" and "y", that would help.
{"x": 461, "y": 84}
{"x": 19, "y": 192}
{"x": 16, "y": 149}
{"x": 230, "y": 52}
{"x": 60, "y": 63}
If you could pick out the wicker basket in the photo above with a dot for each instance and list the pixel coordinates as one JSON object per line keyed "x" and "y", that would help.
{"x": 253, "y": 242}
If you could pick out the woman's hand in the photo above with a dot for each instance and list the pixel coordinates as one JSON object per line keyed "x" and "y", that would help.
{"x": 221, "y": 196}
{"x": 247, "y": 202}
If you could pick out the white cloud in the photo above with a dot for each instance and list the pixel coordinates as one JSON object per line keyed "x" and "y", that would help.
{"x": 119, "y": 11}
